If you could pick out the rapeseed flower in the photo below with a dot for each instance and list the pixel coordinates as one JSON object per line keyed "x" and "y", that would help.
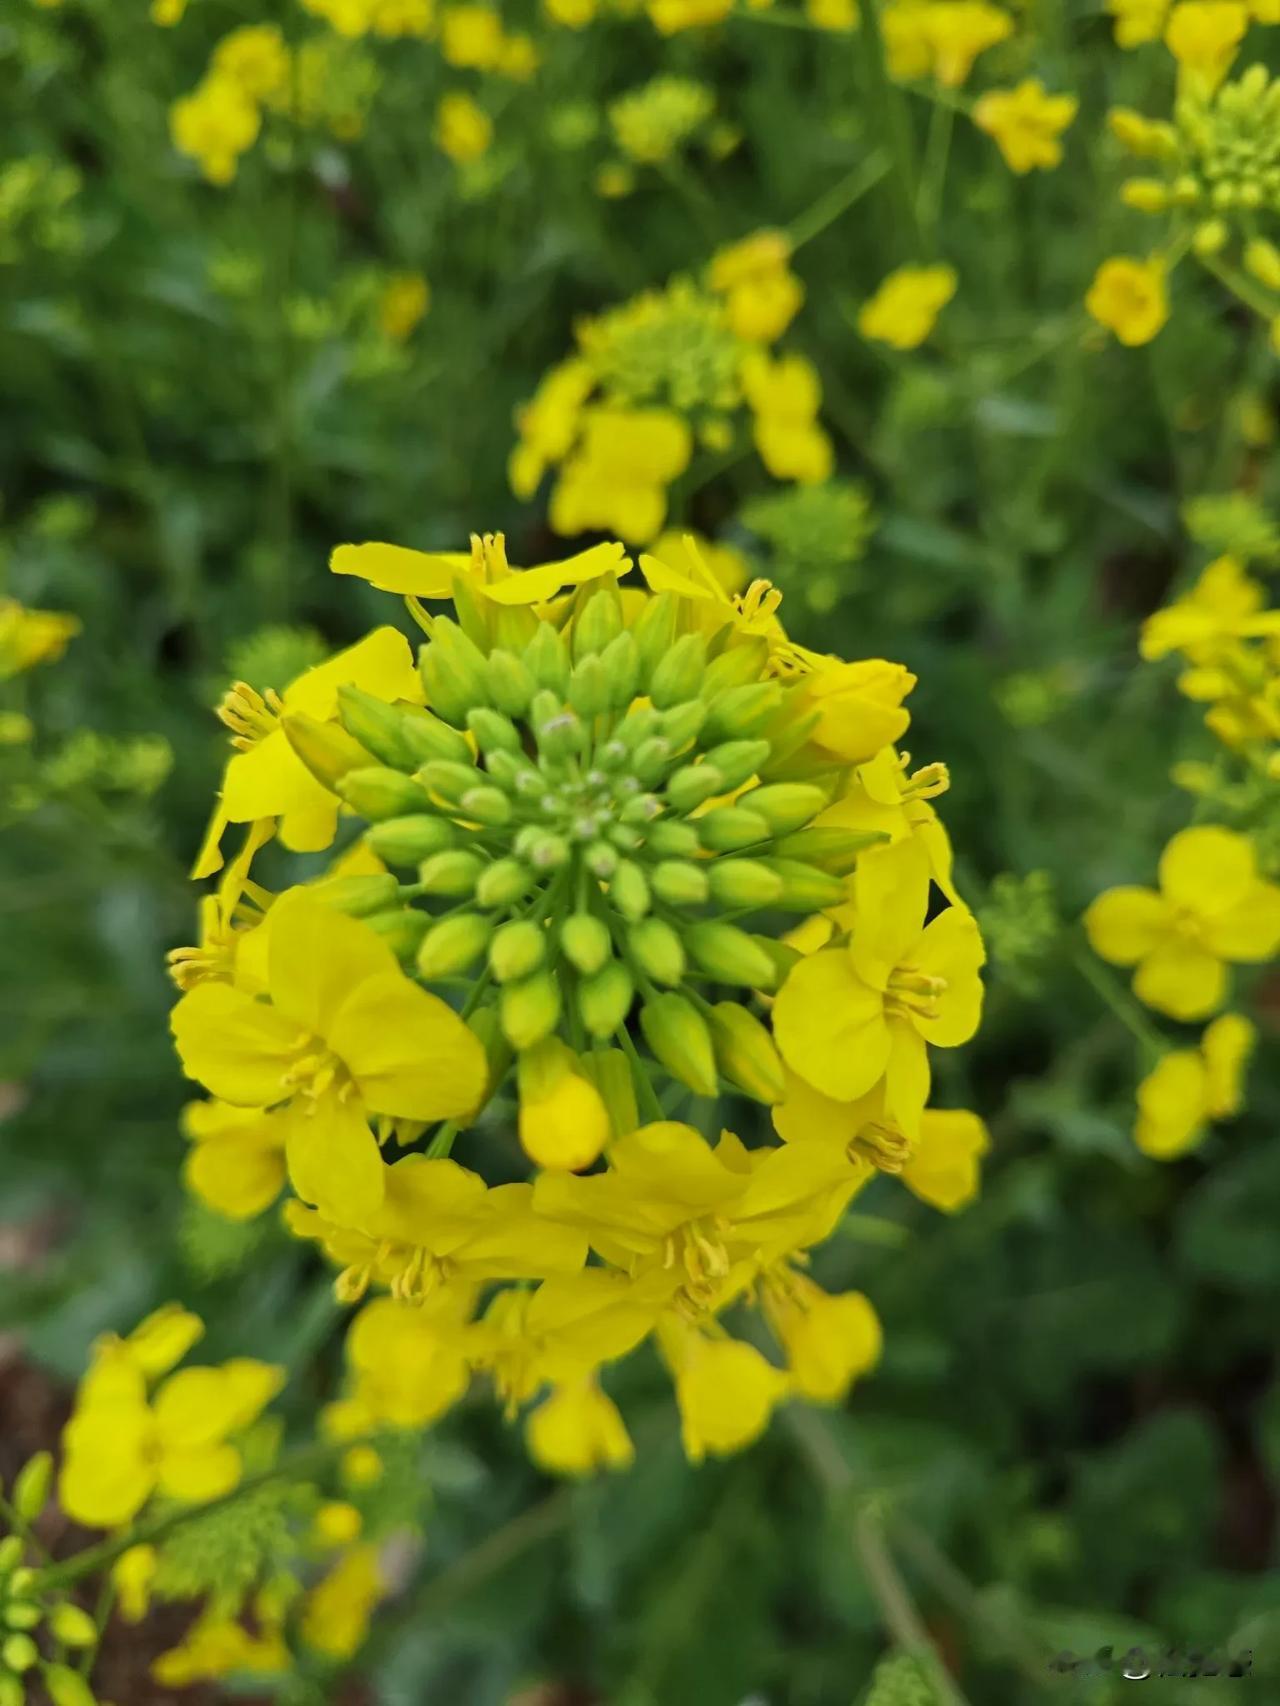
{"x": 940, "y": 38}
{"x": 905, "y": 307}
{"x": 1026, "y": 123}
{"x": 1130, "y": 298}
{"x": 762, "y": 294}
{"x": 463, "y": 130}
{"x": 30, "y": 637}
{"x": 1190, "y": 1088}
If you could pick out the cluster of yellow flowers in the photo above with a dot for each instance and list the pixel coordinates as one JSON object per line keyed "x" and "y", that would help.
{"x": 673, "y": 17}
{"x": 593, "y": 809}
{"x": 620, "y": 419}
{"x": 1214, "y": 907}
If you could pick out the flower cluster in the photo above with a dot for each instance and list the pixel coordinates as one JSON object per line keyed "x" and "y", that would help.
{"x": 1216, "y": 905}
{"x": 627, "y": 847}
{"x": 941, "y": 39}
{"x": 673, "y": 368}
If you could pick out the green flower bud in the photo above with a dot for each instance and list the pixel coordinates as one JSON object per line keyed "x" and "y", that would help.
{"x": 625, "y": 837}
{"x": 503, "y": 883}
{"x": 651, "y": 760}
{"x": 402, "y": 931}
{"x": 641, "y": 723}
{"x": 358, "y": 896}
{"x": 19, "y": 1653}
{"x": 377, "y": 792}
{"x": 377, "y": 726}
{"x": 693, "y": 784}
{"x": 589, "y": 687}
{"x": 597, "y": 623}
{"x": 516, "y": 949}
{"x": 544, "y": 850}
{"x": 561, "y": 736}
{"x": 10, "y": 1553}
{"x": 610, "y": 1071}
{"x": 454, "y": 873}
{"x": 530, "y": 1010}
{"x": 453, "y": 945}
{"x": 834, "y": 850}
{"x": 680, "y": 1040}
{"x": 738, "y": 760}
{"x": 629, "y": 890}
{"x": 12, "y": 1693}
{"x": 727, "y": 828}
{"x": 657, "y": 950}
{"x": 449, "y": 781}
{"x": 66, "y": 1687}
{"x": 677, "y": 676}
{"x": 325, "y": 749}
{"x": 679, "y": 882}
{"x": 804, "y": 887}
{"x": 586, "y": 942}
{"x": 427, "y": 737}
{"x": 511, "y": 682}
{"x": 621, "y": 663}
{"x": 485, "y": 805}
{"x": 745, "y": 1053}
{"x": 730, "y": 955}
{"x": 605, "y": 999}
{"x": 409, "y": 840}
{"x": 736, "y": 666}
{"x": 601, "y": 859}
{"x": 494, "y": 732}
{"x": 681, "y": 725}
{"x": 655, "y": 631}
{"x": 22, "y": 1614}
{"x": 670, "y": 839}
{"x": 31, "y": 1488}
{"x": 72, "y": 1625}
{"x": 547, "y": 659}
{"x": 515, "y": 774}
{"x": 453, "y": 671}
{"x": 741, "y": 712}
{"x": 743, "y": 882}
{"x": 786, "y": 805}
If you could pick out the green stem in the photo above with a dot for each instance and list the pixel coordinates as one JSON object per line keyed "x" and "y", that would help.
{"x": 934, "y": 174}
{"x": 837, "y": 201}
{"x": 1244, "y": 289}
{"x": 1121, "y": 1004}
{"x": 897, "y": 122}
{"x": 645, "y": 1092}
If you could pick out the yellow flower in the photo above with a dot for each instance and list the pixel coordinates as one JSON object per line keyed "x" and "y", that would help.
{"x": 463, "y": 129}
{"x": 165, "y": 13}
{"x": 563, "y": 1120}
{"x": 941, "y": 38}
{"x": 1026, "y": 123}
{"x": 859, "y": 706}
{"x": 839, "y": 15}
{"x": 1212, "y": 908}
{"x": 728, "y": 565}
{"x": 785, "y": 396}
{"x": 215, "y": 1646}
{"x": 548, "y": 424}
{"x": 1129, "y": 297}
{"x": 829, "y": 1341}
{"x": 1203, "y": 36}
{"x": 578, "y": 1430}
{"x": 215, "y": 125}
{"x": 617, "y": 478}
{"x": 266, "y": 778}
{"x": 236, "y": 1162}
{"x": 1191, "y": 1087}
{"x": 1224, "y": 606}
{"x": 905, "y": 308}
{"x": 943, "y": 1168}
{"x": 484, "y": 569}
{"x": 726, "y": 1390}
{"x": 29, "y": 637}
{"x": 848, "y": 1017}
{"x": 336, "y": 1612}
{"x": 1137, "y": 21}
{"x": 471, "y": 37}
{"x": 571, "y": 14}
{"x": 408, "y": 1361}
{"x": 405, "y": 299}
{"x": 345, "y": 1036}
{"x": 672, "y": 16}
{"x": 254, "y": 58}
{"x": 131, "y": 1576}
{"x": 762, "y": 294}
{"x": 121, "y": 1447}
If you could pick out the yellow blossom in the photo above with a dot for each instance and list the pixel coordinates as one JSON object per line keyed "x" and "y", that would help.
{"x": 215, "y": 125}
{"x": 841, "y": 16}
{"x": 578, "y": 1430}
{"x": 726, "y": 1390}
{"x": 254, "y": 58}
{"x": 940, "y": 38}
{"x": 1224, "y": 606}
{"x": 484, "y": 569}
{"x": 29, "y": 637}
{"x": 828, "y": 1341}
{"x": 1212, "y": 908}
{"x": 785, "y": 396}
{"x": 1191, "y": 1087}
{"x": 616, "y": 479}
{"x": 1129, "y": 297}
{"x": 336, "y": 1612}
{"x": 672, "y": 16}
{"x": 1204, "y": 36}
{"x": 471, "y": 37}
{"x": 1026, "y": 123}
{"x": 404, "y": 301}
{"x": 236, "y": 1161}
{"x": 762, "y": 294}
{"x": 463, "y": 129}
{"x": 905, "y": 308}
{"x": 215, "y": 1646}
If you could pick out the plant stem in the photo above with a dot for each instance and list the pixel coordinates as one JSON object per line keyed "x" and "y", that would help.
{"x": 645, "y": 1091}
{"x": 897, "y": 123}
{"x": 837, "y": 201}
{"x": 1122, "y": 1005}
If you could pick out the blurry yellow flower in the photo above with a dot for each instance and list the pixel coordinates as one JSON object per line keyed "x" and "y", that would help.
{"x": 336, "y": 1612}
{"x": 408, "y": 1360}
{"x": 405, "y": 299}
{"x": 1129, "y": 297}
{"x": 762, "y": 294}
{"x": 463, "y": 129}
{"x": 214, "y": 125}
{"x": 940, "y": 38}
{"x": 236, "y": 1161}
{"x": 652, "y": 123}
{"x": 571, "y": 14}
{"x": 1137, "y": 21}
{"x": 215, "y": 1646}
{"x": 29, "y": 637}
{"x": 1204, "y": 36}
{"x": 1212, "y": 908}
{"x": 614, "y": 180}
{"x": 828, "y": 1341}
{"x": 785, "y": 396}
{"x": 578, "y": 1430}
{"x": 616, "y": 479}
{"x": 905, "y": 308}
{"x": 1026, "y": 123}
{"x": 726, "y": 1390}
{"x": 254, "y": 58}
{"x": 672, "y": 16}
{"x": 519, "y": 58}
{"x": 131, "y": 1576}
{"x": 1224, "y": 606}
{"x": 725, "y": 562}
{"x": 346, "y": 1036}
{"x": 165, "y": 13}
{"x": 471, "y": 37}
{"x": 392, "y": 18}
{"x": 548, "y": 424}
{"x": 120, "y": 1447}
{"x": 1191, "y": 1087}
{"x": 840, "y": 15}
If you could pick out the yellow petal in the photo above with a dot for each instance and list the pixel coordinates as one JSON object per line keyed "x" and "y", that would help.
{"x": 161, "y": 1341}
{"x": 1182, "y": 980}
{"x": 805, "y": 1115}
{"x": 1226, "y": 1046}
{"x": 891, "y": 894}
{"x": 132, "y": 1575}
{"x": 235, "y": 1180}
{"x": 943, "y": 1170}
{"x": 726, "y": 1392}
{"x": 105, "y": 1487}
{"x": 578, "y": 1430}
{"x": 270, "y": 780}
{"x": 409, "y": 1052}
{"x": 1248, "y": 930}
{"x": 906, "y": 1077}
{"x": 1125, "y": 924}
{"x": 532, "y": 586}
{"x": 829, "y": 1344}
{"x": 317, "y": 958}
{"x": 381, "y": 664}
{"x": 200, "y": 1473}
{"x": 1172, "y": 1106}
{"x": 951, "y": 949}
{"x": 395, "y": 568}
{"x": 830, "y": 1026}
{"x": 1207, "y": 868}
{"x": 238, "y": 1048}
{"x": 334, "y": 1160}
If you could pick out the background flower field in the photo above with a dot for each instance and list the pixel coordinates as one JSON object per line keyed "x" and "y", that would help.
{"x": 958, "y": 324}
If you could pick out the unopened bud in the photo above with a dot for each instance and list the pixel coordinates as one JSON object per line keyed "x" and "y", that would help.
{"x": 547, "y": 659}
{"x": 651, "y": 760}
{"x": 589, "y": 687}
{"x": 377, "y": 792}
{"x": 485, "y": 805}
{"x": 529, "y": 1010}
{"x": 605, "y": 999}
{"x": 1210, "y": 238}
{"x": 629, "y": 890}
{"x": 597, "y": 623}
{"x": 728, "y": 828}
{"x": 655, "y": 631}
{"x": 358, "y": 896}
{"x": 401, "y": 930}
{"x": 503, "y": 883}
{"x": 409, "y": 840}
{"x": 745, "y": 1053}
{"x": 657, "y": 950}
{"x": 833, "y": 850}
{"x": 738, "y": 760}
{"x": 511, "y": 682}
{"x": 786, "y": 805}
{"x": 1146, "y": 195}
{"x": 454, "y": 672}
{"x": 31, "y": 1488}
{"x": 740, "y": 712}
{"x": 427, "y": 737}
{"x": 586, "y": 942}
{"x": 736, "y": 666}
{"x": 804, "y": 887}
{"x": 516, "y": 949}
{"x": 72, "y": 1625}
{"x": 325, "y": 749}
{"x": 494, "y": 731}
{"x": 668, "y": 838}
{"x": 681, "y": 725}
{"x": 681, "y": 1042}
{"x": 454, "y": 873}
{"x": 377, "y": 726}
{"x": 621, "y": 663}
{"x": 743, "y": 882}
{"x": 679, "y": 882}
{"x": 19, "y": 1653}
{"x": 677, "y": 676}
{"x": 1263, "y": 261}
{"x": 66, "y": 1687}
{"x": 693, "y": 784}
{"x": 730, "y": 955}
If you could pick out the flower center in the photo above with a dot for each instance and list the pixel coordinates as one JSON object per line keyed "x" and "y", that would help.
{"x": 912, "y": 991}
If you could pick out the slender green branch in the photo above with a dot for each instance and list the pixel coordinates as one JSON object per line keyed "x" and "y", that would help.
{"x": 897, "y": 122}
{"x": 837, "y": 201}
{"x": 1121, "y": 1004}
